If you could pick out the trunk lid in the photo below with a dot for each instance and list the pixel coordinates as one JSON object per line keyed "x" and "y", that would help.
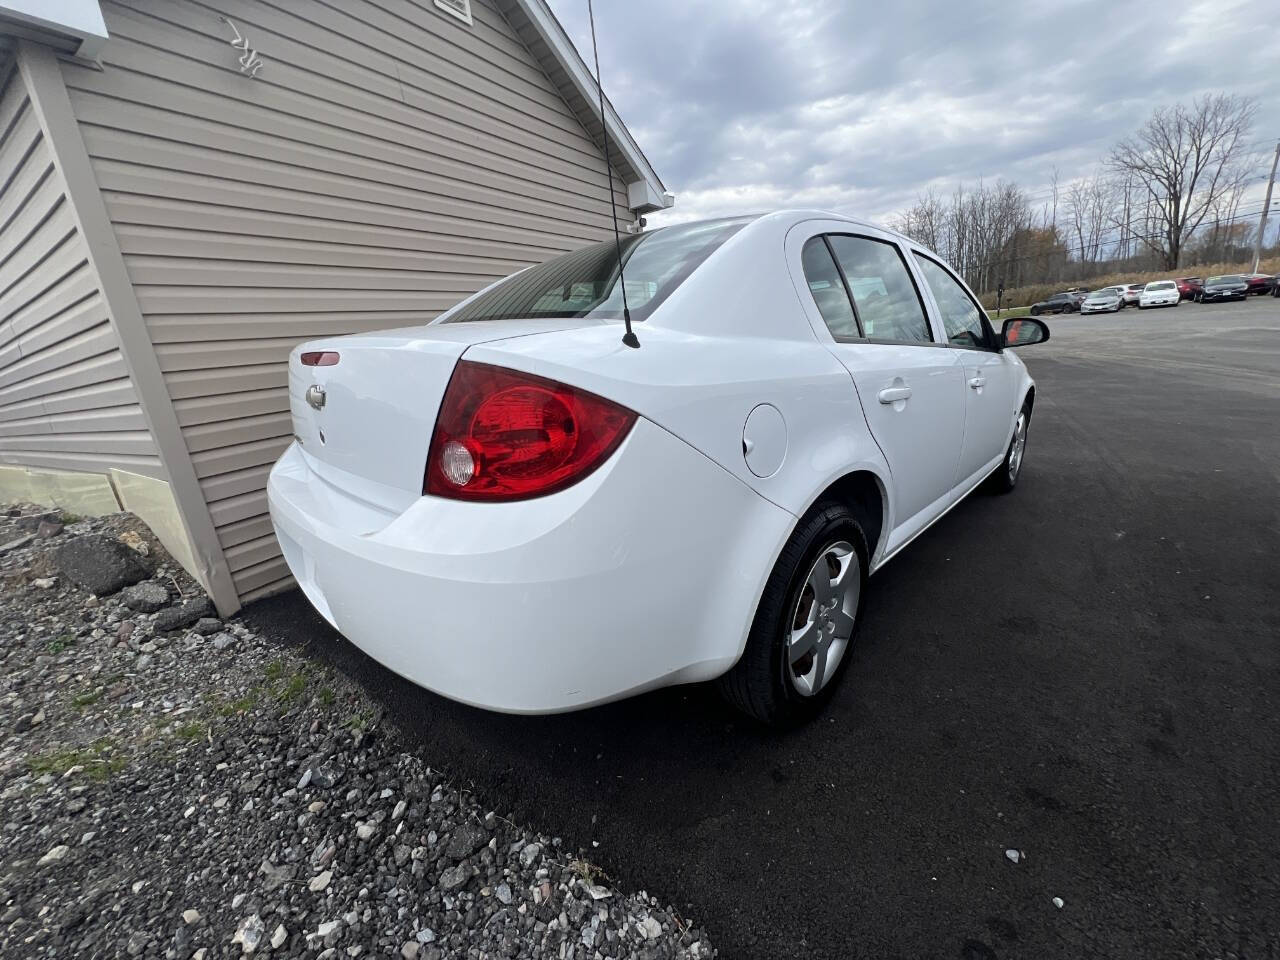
{"x": 365, "y": 422}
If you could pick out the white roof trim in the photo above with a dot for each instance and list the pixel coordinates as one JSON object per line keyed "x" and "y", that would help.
{"x": 646, "y": 194}
{"x": 72, "y": 25}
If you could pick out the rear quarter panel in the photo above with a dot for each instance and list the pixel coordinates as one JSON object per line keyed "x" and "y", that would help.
{"x": 702, "y": 389}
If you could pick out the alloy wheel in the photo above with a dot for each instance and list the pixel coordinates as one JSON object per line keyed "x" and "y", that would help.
{"x": 823, "y": 620}
{"x": 1019, "y": 445}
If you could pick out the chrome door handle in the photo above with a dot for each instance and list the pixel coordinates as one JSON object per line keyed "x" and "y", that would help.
{"x": 894, "y": 394}
{"x": 978, "y": 383}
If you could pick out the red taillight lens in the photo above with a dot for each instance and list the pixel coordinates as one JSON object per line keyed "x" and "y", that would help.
{"x": 506, "y": 435}
{"x": 319, "y": 358}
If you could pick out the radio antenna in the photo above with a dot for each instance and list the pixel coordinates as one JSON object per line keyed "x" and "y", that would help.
{"x": 629, "y": 338}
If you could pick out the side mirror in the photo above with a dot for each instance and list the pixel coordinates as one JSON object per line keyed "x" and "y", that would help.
{"x": 1023, "y": 331}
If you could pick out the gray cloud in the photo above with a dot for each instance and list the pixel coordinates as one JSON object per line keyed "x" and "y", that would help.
{"x": 748, "y": 105}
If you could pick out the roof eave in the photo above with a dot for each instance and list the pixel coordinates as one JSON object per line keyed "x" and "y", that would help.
{"x": 74, "y": 27}
{"x": 539, "y": 28}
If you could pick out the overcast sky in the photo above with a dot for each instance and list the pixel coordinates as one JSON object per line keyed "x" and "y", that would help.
{"x": 746, "y": 105}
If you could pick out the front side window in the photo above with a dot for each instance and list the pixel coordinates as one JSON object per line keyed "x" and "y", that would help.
{"x": 584, "y": 283}
{"x": 963, "y": 321}
{"x": 883, "y": 292}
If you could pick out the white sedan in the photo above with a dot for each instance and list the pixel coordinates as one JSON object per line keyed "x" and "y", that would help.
{"x": 511, "y": 507}
{"x": 1159, "y": 293}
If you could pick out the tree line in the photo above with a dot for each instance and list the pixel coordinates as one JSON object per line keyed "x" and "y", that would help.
{"x": 1164, "y": 197}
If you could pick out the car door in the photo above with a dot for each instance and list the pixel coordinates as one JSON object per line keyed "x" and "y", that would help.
{"x": 989, "y": 373}
{"x": 910, "y": 385}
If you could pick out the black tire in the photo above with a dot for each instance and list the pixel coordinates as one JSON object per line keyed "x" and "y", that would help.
{"x": 1035, "y": 311}
{"x": 1118, "y": 308}
{"x": 1005, "y": 480}
{"x": 760, "y": 684}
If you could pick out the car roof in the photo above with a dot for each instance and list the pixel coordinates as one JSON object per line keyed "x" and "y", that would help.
{"x": 785, "y": 219}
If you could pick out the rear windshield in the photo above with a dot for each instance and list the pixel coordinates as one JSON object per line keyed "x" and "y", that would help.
{"x": 1161, "y": 285}
{"x": 584, "y": 283}
{"x": 1226, "y": 279}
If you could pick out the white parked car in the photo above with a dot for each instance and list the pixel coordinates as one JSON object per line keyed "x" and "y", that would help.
{"x": 511, "y": 507}
{"x": 1106, "y": 300}
{"x": 1159, "y": 293}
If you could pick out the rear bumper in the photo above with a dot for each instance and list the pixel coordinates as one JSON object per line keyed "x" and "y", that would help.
{"x": 644, "y": 574}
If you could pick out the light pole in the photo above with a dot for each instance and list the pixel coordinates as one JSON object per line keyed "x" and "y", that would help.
{"x": 1266, "y": 205}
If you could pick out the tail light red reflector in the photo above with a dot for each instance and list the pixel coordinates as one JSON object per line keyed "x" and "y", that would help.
{"x": 506, "y": 435}
{"x": 319, "y": 358}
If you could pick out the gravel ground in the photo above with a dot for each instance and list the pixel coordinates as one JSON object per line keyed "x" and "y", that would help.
{"x": 175, "y": 786}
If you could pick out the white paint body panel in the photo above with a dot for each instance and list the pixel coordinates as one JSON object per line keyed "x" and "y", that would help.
{"x": 644, "y": 574}
{"x": 648, "y": 571}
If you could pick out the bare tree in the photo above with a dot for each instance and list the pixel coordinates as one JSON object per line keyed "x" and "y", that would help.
{"x": 924, "y": 221}
{"x": 1090, "y": 203}
{"x": 1185, "y": 158}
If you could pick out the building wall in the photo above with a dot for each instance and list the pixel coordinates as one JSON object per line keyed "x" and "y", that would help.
{"x": 66, "y": 398}
{"x": 387, "y": 161}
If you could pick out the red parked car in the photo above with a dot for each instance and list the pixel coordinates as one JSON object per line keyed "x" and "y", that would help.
{"x": 1188, "y": 287}
{"x": 1260, "y": 283}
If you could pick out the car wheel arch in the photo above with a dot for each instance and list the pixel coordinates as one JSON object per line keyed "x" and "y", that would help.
{"x": 867, "y": 494}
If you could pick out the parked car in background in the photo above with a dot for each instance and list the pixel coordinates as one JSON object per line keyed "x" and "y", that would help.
{"x": 1132, "y": 291}
{"x": 1065, "y": 302}
{"x": 1159, "y": 293}
{"x": 1106, "y": 300}
{"x": 1275, "y": 289}
{"x": 1230, "y": 287}
{"x": 490, "y": 503}
{"x": 1188, "y": 287}
{"x": 1260, "y": 283}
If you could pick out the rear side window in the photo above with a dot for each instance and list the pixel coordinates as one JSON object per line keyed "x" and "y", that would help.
{"x": 828, "y": 289}
{"x": 884, "y": 295}
{"x": 964, "y": 322}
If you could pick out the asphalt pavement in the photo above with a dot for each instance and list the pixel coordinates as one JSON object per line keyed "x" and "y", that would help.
{"x": 1086, "y": 671}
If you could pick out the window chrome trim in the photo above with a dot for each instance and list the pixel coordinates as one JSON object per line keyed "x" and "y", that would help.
{"x": 902, "y": 259}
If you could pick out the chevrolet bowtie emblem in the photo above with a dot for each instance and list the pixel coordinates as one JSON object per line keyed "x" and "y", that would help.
{"x": 315, "y": 396}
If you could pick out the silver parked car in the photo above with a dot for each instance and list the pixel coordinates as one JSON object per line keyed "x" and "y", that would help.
{"x": 1106, "y": 300}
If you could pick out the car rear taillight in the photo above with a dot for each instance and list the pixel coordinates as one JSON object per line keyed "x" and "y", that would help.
{"x": 319, "y": 358}
{"x": 506, "y": 435}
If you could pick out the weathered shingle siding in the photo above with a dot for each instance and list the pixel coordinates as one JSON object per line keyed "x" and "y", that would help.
{"x": 66, "y": 400}
{"x": 387, "y": 161}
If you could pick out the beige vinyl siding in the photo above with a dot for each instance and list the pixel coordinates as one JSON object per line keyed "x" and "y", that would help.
{"x": 66, "y": 400}
{"x": 387, "y": 162}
